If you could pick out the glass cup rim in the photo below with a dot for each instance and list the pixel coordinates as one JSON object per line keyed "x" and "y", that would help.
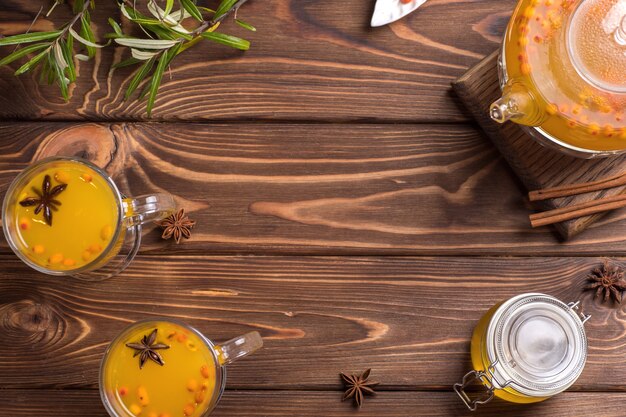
{"x": 22, "y": 175}
{"x": 208, "y": 342}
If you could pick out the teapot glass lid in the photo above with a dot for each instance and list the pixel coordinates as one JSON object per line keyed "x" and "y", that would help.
{"x": 596, "y": 43}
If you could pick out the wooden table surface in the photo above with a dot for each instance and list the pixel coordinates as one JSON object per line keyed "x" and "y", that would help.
{"x": 347, "y": 207}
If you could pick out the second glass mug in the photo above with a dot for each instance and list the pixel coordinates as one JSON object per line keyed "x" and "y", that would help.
{"x": 69, "y": 181}
{"x": 165, "y": 368}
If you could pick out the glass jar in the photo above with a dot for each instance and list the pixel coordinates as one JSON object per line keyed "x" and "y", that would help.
{"x": 526, "y": 349}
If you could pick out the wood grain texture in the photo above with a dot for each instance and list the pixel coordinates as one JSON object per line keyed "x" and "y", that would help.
{"x": 321, "y": 189}
{"x": 80, "y": 403}
{"x": 537, "y": 166}
{"x": 409, "y": 319}
{"x": 310, "y": 60}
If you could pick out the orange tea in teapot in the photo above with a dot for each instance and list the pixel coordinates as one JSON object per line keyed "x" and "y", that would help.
{"x": 564, "y": 62}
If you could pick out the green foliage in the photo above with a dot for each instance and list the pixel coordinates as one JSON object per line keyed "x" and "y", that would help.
{"x": 54, "y": 53}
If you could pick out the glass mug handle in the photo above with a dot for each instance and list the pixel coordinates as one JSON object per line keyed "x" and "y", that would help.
{"x": 237, "y": 348}
{"x": 147, "y": 208}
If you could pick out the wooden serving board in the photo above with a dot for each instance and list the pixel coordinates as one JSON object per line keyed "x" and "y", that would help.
{"x": 537, "y": 166}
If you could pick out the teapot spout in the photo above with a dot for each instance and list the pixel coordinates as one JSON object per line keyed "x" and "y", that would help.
{"x": 518, "y": 105}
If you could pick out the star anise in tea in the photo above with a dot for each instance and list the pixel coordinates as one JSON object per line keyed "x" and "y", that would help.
{"x": 147, "y": 349}
{"x": 177, "y": 225}
{"x": 357, "y": 386}
{"x": 607, "y": 279}
{"x": 45, "y": 199}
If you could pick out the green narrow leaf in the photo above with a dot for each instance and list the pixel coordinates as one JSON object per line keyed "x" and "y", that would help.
{"x": 126, "y": 63}
{"x": 116, "y": 27}
{"x": 78, "y": 6}
{"x": 87, "y": 33}
{"x": 228, "y": 40}
{"x": 142, "y": 72}
{"x": 192, "y": 9}
{"x": 224, "y": 7}
{"x": 169, "y": 5}
{"x": 68, "y": 54}
{"x": 32, "y": 63}
{"x": 62, "y": 81}
{"x": 23, "y": 52}
{"x": 83, "y": 40}
{"x": 28, "y": 37}
{"x": 245, "y": 25}
{"x": 158, "y": 75}
{"x": 146, "y": 43}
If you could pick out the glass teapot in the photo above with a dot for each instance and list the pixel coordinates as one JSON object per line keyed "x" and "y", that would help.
{"x": 562, "y": 71}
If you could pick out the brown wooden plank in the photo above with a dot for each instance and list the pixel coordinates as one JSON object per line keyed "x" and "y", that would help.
{"x": 86, "y": 403}
{"x": 537, "y": 166}
{"x": 323, "y": 189}
{"x": 409, "y": 319}
{"x": 313, "y": 60}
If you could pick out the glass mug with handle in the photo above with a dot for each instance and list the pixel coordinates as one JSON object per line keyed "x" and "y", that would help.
{"x": 66, "y": 216}
{"x": 162, "y": 367}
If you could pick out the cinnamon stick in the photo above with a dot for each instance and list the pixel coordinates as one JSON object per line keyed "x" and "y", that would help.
{"x": 577, "y": 210}
{"x": 573, "y": 189}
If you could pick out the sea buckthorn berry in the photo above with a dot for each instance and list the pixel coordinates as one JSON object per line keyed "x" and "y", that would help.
{"x": 94, "y": 248}
{"x": 551, "y": 109}
{"x": 142, "y": 396}
{"x": 523, "y": 41}
{"x": 62, "y": 176}
{"x": 87, "y": 177}
{"x": 86, "y": 255}
{"x": 152, "y": 414}
{"x": 549, "y": 3}
{"x": 188, "y": 410}
{"x": 528, "y": 12}
{"x": 39, "y": 249}
{"x": 105, "y": 232}
{"x": 593, "y": 129}
{"x": 165, "y": 415}
{"x": 525, "y": 68}
{"x": 123, "y": 391}
{"x": 69, "y": 262}
{"x": 576, "y": 109}
{"x": 205, "y": 385}
{"x": 521, "y": 57}
{"x": 192, "y": 385}
{"x": 135, "y": 409}
{"x": 563, "y": 108}
{"x": 571, "y": 123}
{"x": 56, "y": 258}
{"x": 181, "y": 337}
{"x": 405, "y": 1}
{"x": 204, "y": 370}
{"x": 199, "y": 397}
{"x": 605, "y": 108}
{"x": 608, "y": 130}
{"x": 24, "y": 223}
{"x": 537, "y": 39}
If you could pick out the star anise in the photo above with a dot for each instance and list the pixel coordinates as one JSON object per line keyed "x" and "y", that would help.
{"x": 146, "y": 349}
{"x": 607, "y": 279}
{"x": 357, "y": 386}
{"x": 177, "y": 225}
{"x": 45, "y": 199}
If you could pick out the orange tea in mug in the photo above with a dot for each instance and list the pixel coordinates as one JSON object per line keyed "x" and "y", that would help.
{"x": 65, "y": 216}
{"x": 163, "y": 368}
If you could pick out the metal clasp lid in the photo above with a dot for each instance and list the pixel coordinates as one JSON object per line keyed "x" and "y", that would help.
{"x": 574, "y": 306}
{"x": 487, "y": 379}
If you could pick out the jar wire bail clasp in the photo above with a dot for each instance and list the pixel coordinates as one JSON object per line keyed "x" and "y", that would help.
{"x": 575, "y": 306}
{"x": 487, "y": 379}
